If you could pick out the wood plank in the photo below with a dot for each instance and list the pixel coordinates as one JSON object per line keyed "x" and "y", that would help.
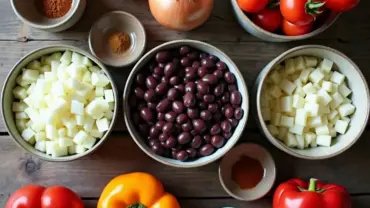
{"x": 251, "y": 57}
{"x": 120, "y": 154}
{"x": 219, "y": 27}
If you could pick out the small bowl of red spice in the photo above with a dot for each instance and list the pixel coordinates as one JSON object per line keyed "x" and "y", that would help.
{"x": 49, "y": 15}
{"x": 118, "y": 39}
{"x": 247, "y": 172}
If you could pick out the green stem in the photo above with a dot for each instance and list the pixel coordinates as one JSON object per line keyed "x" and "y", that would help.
{"x": 312, "y": 185}
{"x": 313, "y": 7}
{"x": 138, "y": 205}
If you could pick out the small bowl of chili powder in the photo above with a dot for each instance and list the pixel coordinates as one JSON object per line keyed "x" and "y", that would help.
{"x": 118, "y": 39}
{"x": 49, "y": 15}
{"x": 247, "y": 172}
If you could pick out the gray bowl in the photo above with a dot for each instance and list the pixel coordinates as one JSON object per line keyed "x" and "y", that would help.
{"x": 241, "y": 86}
{"x": 27, "y": 12}
{"x": 7, "y": 100}
{"x": 255, "y": 30}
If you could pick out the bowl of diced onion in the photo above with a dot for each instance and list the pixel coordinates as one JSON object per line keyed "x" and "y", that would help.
{"x": 59, "y": 103}
{"x": 312, "y": 102}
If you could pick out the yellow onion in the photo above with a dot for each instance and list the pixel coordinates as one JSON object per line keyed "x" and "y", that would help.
{"x": 183, "y": 15}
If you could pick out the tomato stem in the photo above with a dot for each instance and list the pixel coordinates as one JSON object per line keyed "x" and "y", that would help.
{"x": 313, "y": 7}
{"x": 312, "y": 185}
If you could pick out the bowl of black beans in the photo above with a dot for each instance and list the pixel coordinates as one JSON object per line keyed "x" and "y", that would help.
{"x": 185, "y": 103}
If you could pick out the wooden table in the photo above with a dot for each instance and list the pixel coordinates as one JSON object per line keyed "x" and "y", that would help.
{"x": 197, "y": 187}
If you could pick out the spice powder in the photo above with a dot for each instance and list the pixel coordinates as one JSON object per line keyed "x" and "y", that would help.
{"x": 119, "y": 42}
{"x": 247, "y": 172}
{"x": 54, "y": 8}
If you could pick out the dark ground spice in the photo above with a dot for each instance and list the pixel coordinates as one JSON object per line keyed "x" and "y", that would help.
{"x": 54, "y": 8}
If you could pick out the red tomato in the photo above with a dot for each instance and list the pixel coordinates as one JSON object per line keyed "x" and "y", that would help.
{"x": 301, "y": 12}
{"x": 341, "y": 5}
{"x": 295, "y": 30}
{"x": 252, "y": 6}
{"x": 268, "y": 19}
{"x": 33, "y": 196}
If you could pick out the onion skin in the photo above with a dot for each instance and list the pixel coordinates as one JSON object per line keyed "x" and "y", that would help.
{"x": 182, "y": 15}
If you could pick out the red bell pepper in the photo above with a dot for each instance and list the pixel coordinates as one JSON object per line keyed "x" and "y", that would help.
{"x": 34, "y": 196}
{"x": 297, "y": 193}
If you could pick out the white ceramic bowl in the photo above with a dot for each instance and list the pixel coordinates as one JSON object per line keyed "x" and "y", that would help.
{"x": 255, "y": 30}
{"x": 256, "y": 152}
{"x": 26, "y": 11}
{"x": 360, "y": 97}
{"x": 242, "y": 87}
{"x": 7, "y": 100}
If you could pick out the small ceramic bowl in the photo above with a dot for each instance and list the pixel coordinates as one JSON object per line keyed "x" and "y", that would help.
{"x": 360, "y": 99}
{"x": 257, "y": 31}
{"x": 254, "y": 151}
{"x": 28, "y": 12}
{"x": 142, "y": 143}
{"x": 117, "y": 21}
{"x": 7, "y": 100}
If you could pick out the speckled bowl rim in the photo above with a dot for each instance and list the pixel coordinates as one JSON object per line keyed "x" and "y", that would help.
{"x": 44, "y": 27}
{"x": 141, "y": 26}
{"x": 263, "y": 149}
{"x": 319, "y": 30}
{"x": 75, "y": 156}
{"x": 128, "y": 120}
{"x": 258, "y": 91}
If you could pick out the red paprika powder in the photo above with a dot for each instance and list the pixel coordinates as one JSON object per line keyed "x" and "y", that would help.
{"x": 54, "y": 8}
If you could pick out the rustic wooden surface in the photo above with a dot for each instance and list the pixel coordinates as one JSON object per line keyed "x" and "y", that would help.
{"x": 350, "y": 34}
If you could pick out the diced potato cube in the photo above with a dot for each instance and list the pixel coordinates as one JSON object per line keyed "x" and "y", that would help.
{"x": 332, "y": 131}
{"x": 337, "y": 78}
{"x": 19, "y": 92}
{"x": 275, "y": 77}
{"x": 56, "y": 56}
{"x": 40, "y": 136}
{"x": 335, "y": 88}
{"x": 287, "y": 86}
{"x": 77, "y": 107}
{"x": 80, "y": 120}
{"x": 30, "y": 75}
{"x": 77, "y": 58}
{"x": 300, "y": 141}
{"x": 312, "y": 98}
{"x": 86, "y": 61}
{"x": 286, "y": 121}
{"x": 316, "y": 76}
{"x": 326, "y": 65}
{"x": 299, "y": 91}
{"x": 299, "y": 63}
{"x": 273, "y": 130}
{"x": 301, "y": 117}
{"x": 298, "y": 83}
{"x": 65, "y": 142}
{"x": 344, "y": 90}
{"x": 290, "y": 140}
{"x": 69, "y": 121}
{"x": 111, "y": 106}
{"x": 346, "y": 109}
{"x": 96, "y": 133}
{"x": 309, "y": 89}
{"x": 275, "y": 91}
{"x": 99, "y": 92}
{"x": 341, "y": 126}
{"x": 298, "y": 101}
{"x": 324, "y": 97}
{"x": 72, "y": 149}
{"x": 325, "y": 110}
{"x": 35, "y": 65}
{"x": 337, "y": 100}
{"x": 80, "y": 149}
{"x": 109, "y": 96}
{"x": 102, "y": 124}
{"x": 305, "y": 74}
{"x": 59, "y": 151}
{"x": 314, "y": 143}
{"x": 323, "y": 140}
{"x": 28, "y": 134}
{"x": 333, "y": 114}
{"x": 309, "y": 137}
{"x": 38, "y": 126}
{"x": 71, "y": 132}
{"x": 29, "y": 124}
{"x": 312, "y": 109}
{"x": 66, "y": 57}
{"x": 275, "y": 119}
{"x": 40, "y": 146}
{"x": 283, "y": 131}
{"x": 80, "y": 137}
{"x": 290, "y": 114}
{"x": 315, "y": 121}
{"x": 327, "y": 86}
{"x": 297, "y": 129}
{"x": 99, "y": 80}
{"x": 322, "y": 130}
{"x": 62, "y": 72}
{"x": 76, "y": 71}
{"x": 89, "y": 122}
{"x": 18, "y": 106}
{"x": 21, "y": 124}
{"x": 346, "y": 101}
{"x": 62, "y": 132}
{"x": 89, "y": 142}
{"x": 310, "y": 61}
{"x": 59, "y": 105}
{"x": 289, "y": 66}
{"x": 287, "y": 103}
{"x": 51, "y": 132}
{"x": 97, "y": 108}
{"x": 21, "y": 115}
{"x": 51, "y": 76}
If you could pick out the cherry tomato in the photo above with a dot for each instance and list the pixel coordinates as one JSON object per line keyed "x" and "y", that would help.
{"x": 341, "y": 5}
{"x": 301, "y": 12}
{"x": 252, "y": 6}
{"x": 295, "y": 30}
{"x": 268, "y": 19}
{"x": 33, "y": 196}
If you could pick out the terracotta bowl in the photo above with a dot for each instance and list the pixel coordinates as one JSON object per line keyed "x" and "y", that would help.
{"x": 7, "y": 100}
{"x": 27, "y": 11}
{"x": 117, "y": 21}
{"x": 253, "y": 151}
{"x": 360, "y": 99}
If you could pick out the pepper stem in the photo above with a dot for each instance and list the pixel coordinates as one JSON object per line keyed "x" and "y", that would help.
{"x": 313, "y": 8}
{"x": 312, "y": 185}
{"x": 138, "y": 205}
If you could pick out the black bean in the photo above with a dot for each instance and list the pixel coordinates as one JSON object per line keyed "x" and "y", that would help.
{"x": 235, "y": 98}
{"x": 229, "y": 77}
{"x": 158, "y": 149}
{"x": 207, "y": 62}
{"x": 193, "y": 113}
{"x": 187, "y": 126}
{"x": 238, "y": 113}
{"x": 159, "y": 71}
{"x": 180, "y": 87}
{"x": 139, "y": 93}
{"x": 184, "y": 50}
{"x": 229, "y": 112}
{"x": 189, "y": 99}
{"x": 213, "y": 58}
{"x": 196, "y": 142}
{"x": 168, "y": 128}
{"x": 207, "y": 138}
{"x": 163, "y": 137}
{"x": 199, "y": 125}
{"x": 172, "y": 94}
{"x": 217, "y": 117}
{"x": 182, "y": 118}
{"x": 152, "y": 142}
{"x": 202, "y": 71}
{"x": 203, "y": 55}
{"x": 212, "y": 108}
{"x": 192, "y": 152}
{"x": 163, "y": 105}
{"x": 218, "y": 73}
{"x": 221, "y": 65}
{"x": 185, "y": 61}
{"x": 232, "y": 87}
{"x": 218, "y": 141}
{"x": 171, "y": 142}
{"x": 184, "y": 138}
{"x": 159, "y": 125}
{"x": 174, "y": 80}
{"x": 149, "y": 95}
{"x": 151, "y": 82}
{"x": 140, "y": 79}
{"x": 170, "y": 116}
{"x": 162, "y": 56}
{"x": 146, "y": 114}
{"x": 196, "y": 64}
{"x": 190, "y": 87}
{"x": 152, "y": 105}
{"x": 219, "y": 90}
{"x": 165, "y": 80}
{"x": 178, "y": 106}
{"x": 208, "y": 98}
{"x": 216, "y": 129}
{"x": 169, "y": 69}
{"x": 206, "y": 115}
{"x": 182, "y": 155}
{"x": 210, "y": 79}
{"x": 234, "y": 122}
{"x": 206, "y": 150}
{"x": 227, "y": 135}
{"x": 193, "y": 55}
{"x": 225, "y": 98}
{"x": 161, "y": 116}
{"x": 161, "y": 88}
{"x": 226, "y": 126}
{"x": 202, "y": 87}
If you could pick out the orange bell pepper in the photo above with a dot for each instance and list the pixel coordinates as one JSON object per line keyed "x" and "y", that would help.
{"x": 136, "y": 190}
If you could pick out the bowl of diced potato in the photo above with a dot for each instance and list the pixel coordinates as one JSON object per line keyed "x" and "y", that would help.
{"x": 59, "y": 103}
{"x": 312, "y": 102}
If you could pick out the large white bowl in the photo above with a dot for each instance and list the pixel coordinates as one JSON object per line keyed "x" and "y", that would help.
{"x": 242, "y": 87}
{"x": 360, "y": 97}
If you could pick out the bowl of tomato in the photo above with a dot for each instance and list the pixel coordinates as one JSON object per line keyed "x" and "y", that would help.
{"x": 288, "y": 20}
